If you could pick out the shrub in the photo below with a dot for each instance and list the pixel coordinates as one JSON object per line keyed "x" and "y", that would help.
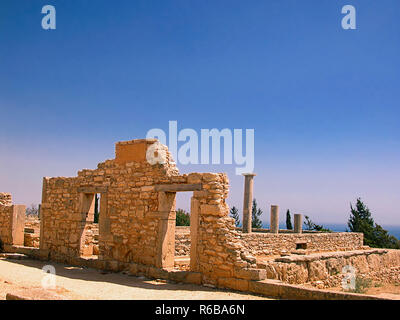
{"x": 182, "y": 218}
{"x": 362, "y": 285}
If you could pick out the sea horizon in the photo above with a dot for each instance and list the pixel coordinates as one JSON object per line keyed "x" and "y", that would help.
{"x": 393, "y": 230}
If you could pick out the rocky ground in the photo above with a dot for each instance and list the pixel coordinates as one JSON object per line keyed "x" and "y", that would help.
{"x": 24, "y": 278}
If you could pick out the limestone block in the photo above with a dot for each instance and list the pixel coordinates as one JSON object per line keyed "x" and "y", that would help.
{"x": 317, "y": 271}
{"x": 251, "y": 274}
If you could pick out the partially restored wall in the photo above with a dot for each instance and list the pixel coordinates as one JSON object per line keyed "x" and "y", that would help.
{"x": 129, "y": 218}
{"x": 137, "y": 215}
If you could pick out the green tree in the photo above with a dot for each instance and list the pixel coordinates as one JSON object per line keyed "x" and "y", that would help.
{"x": 235, "y": 214}
{"x": 384, "y": 240}
{"x": 255, "y": 214}
{"x": 374, "y": 235}
{"x": 361, "y": 221}
{"x": 182, "y": 218}
{"x": 309, "y": 225}
{"x": 288, "y": 220}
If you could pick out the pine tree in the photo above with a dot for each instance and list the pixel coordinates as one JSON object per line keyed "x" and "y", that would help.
{"x": 374, "y": 235}
{"x": 361, "y": 221}
{"x": 234, "y": 212}
{"x": 288, "y": 221}
{"x": 255, "y": 214}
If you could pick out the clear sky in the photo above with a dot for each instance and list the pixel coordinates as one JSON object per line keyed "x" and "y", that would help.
{"x": 323, "y": 101}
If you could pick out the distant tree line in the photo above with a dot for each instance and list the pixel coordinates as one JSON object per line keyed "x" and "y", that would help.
{"x": 33, "y": 210}
{"x": 360, "y": 221}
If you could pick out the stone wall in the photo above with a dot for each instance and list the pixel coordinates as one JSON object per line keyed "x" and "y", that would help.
{"x": 268, "y": 243}
{"x": 12, "y": 219}
{"x": 129, "y": 220}
{"x": 5, "y": 221}
{"x": 5, "y": 199}
{"x": 137, "y": 215}
{"x": 32, "y": 232}
{"x": 324, "y": 270}
{"x": 264, "y": 243}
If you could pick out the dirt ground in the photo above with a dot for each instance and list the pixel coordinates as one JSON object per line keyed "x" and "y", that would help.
{"x": 390, "y": 291}
{"x": 24, "y": 278}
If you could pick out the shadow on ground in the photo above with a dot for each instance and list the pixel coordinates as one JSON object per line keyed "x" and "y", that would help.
{"x": 89, "y": 274}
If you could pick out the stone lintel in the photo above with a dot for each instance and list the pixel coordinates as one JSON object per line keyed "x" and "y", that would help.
{"x": 178, "y": 187}
{"x": 92, "y": 189}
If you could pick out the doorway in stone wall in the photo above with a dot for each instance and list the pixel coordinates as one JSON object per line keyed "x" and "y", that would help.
{"x": 89, "y": 240}
{"x": 182, "y": 230}
{"x": 166, "y": 248}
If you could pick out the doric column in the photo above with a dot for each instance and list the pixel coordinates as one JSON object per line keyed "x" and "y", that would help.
{"x": 274, "y": 219}
{"x": 298, "y": 223}
{"x": 247, "y": 201}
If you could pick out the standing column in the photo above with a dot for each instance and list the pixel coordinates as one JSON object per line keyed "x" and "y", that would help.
{"x": 298, "y": 223}
{"x": 274, "y": 219}
{"x": 248, "y": 201}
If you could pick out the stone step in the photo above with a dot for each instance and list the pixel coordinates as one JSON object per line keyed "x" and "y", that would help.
{"x": 13, "y": 256}
{"x": 328, "y": 255}
{"x": 182, "y": 261}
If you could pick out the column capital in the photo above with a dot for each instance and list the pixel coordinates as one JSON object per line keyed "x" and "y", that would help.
{"x": 249, "y": 174}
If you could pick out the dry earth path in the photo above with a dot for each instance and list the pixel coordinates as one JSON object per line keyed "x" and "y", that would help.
{"x": 24, "y": 277}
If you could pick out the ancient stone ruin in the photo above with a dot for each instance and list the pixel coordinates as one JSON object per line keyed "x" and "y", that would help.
{"x": 136, "y": 231}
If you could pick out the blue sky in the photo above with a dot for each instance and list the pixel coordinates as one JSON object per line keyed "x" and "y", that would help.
{"x": 323, "y": 101}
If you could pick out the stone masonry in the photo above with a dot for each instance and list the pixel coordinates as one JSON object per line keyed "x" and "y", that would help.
{"x": 137, "y": 215}
{"x": 12, "y": 220}
{"x": 266, "y": 243}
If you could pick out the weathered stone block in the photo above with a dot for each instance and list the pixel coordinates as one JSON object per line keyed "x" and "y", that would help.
{"x": 251, "y": 274}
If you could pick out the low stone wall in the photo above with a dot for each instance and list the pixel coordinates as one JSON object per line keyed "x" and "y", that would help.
{"x": 269, "y": 243}
{"x": 31, "y": 240}
{"x": 264, "y": 243}
{"x": 182, "y": 241}
{"x": 324, "y": 270}
{"x": 91, "y": 239}
{"x": 32, "y": 222}
{"x": 32, "y": 232}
